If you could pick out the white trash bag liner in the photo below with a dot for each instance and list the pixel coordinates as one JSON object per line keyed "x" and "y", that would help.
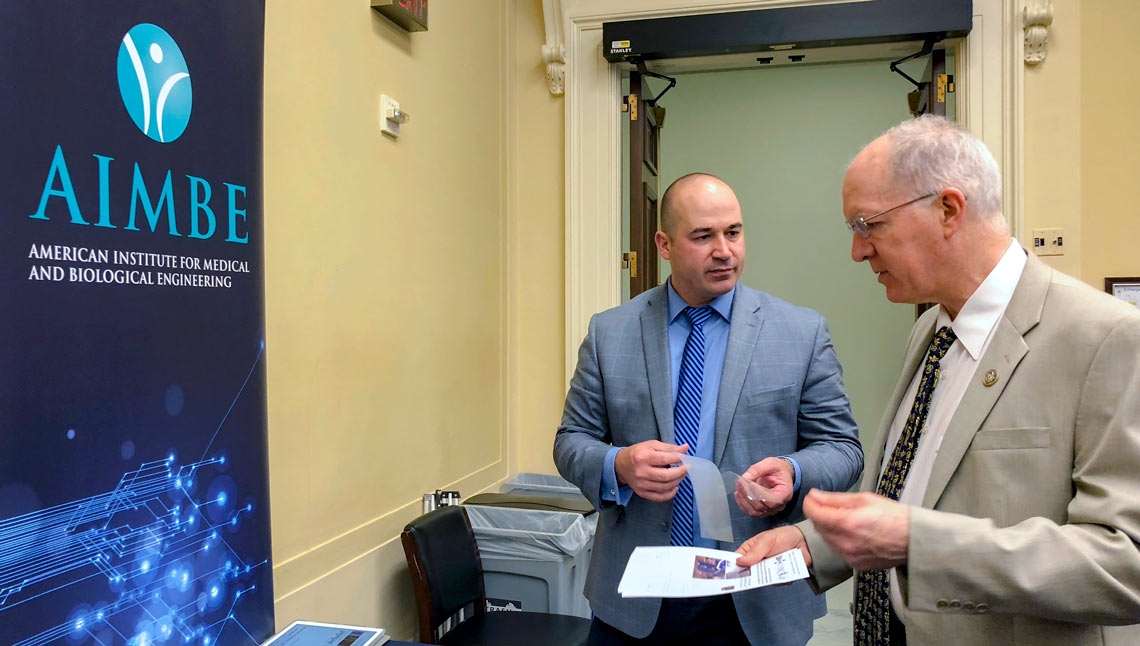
{"x": 530, "y": 535}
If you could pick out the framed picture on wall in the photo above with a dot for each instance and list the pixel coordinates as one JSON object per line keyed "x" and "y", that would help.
{"x": 1127, "y": 289}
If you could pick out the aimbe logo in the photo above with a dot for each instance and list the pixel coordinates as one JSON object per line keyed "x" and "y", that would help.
{"x": 154, "y": 82}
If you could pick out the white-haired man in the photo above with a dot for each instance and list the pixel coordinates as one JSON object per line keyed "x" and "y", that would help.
{"x": 999, "y": 503}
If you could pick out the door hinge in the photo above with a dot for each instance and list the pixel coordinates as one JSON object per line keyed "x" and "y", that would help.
{"x": 943, "y": 81}
{"x": 629, "y": 261}
{"x": 631, "y": 105}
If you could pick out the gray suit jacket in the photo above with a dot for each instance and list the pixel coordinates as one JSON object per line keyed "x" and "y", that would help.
{"x": 1028, "y": 530}
{"x": 781, "y": 393}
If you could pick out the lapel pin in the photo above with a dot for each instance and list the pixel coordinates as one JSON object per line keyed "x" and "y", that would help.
{"x": 990, "y": 379}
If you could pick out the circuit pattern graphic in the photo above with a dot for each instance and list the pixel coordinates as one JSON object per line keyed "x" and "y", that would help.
{"x": 157, "y": 549}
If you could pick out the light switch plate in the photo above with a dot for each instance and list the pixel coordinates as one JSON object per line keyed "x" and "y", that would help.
{"x": 1049, "y": 242}
{"x": 388, "y": 106}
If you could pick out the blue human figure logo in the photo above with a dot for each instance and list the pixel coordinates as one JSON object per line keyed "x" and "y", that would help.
{"x": 154, "y": 82}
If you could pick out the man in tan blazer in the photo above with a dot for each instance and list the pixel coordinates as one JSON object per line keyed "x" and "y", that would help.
{"x": 1001, "y": 500}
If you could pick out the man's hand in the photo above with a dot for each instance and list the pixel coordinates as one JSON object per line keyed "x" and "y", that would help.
{"x": 645, "y": 468}
{"x": 869, "y": 531}
{"x": 765, "y": 488}
{"x": 770, "y": 543}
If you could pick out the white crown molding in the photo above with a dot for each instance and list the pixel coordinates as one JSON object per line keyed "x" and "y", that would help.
{"x": 554, "y": 51}
{"x": 1036, "y": 18}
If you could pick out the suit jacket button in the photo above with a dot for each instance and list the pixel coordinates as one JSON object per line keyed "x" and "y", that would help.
{"x": 942, "y": 603}
{"x": 955, "y": 603}
{"x": 981, "y": 607}
{"x": 969, "y": 607}
{"x": 665, "y": 526}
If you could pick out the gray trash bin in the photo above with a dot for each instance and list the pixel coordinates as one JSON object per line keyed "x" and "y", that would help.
{"x": 541, "y": 483}
{"x": 548, "y": 484}
{"x": 534, "y": 560}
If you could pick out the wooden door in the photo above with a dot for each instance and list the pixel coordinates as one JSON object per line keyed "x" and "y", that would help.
{"x": 645, "y": 122}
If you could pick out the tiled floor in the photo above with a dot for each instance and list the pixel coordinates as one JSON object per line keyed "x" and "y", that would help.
{"x": 834, "y": 629}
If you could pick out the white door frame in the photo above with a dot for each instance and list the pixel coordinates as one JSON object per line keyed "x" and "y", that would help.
{"x": 989, "y": 85}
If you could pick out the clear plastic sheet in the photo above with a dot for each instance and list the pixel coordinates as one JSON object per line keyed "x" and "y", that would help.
{"x": 711, "y": 499}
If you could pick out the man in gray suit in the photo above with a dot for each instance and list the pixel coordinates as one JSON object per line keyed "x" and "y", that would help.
{"x": 706, "y": 366}
{"x": 1006, "y": 475}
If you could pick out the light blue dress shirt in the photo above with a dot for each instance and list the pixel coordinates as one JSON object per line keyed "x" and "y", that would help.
{"x": 716, "y": 342}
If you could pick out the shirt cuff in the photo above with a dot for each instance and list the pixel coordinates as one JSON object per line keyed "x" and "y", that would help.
{"x": 796, "y": 469}
{"x": 611, "y": 490}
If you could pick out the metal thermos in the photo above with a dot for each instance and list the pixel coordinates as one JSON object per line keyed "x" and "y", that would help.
{"x": 440, "y": 499}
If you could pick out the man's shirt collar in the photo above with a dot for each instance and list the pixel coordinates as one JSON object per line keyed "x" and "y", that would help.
{"x": 721, "y": 304}
{"x": 986, "y": 305}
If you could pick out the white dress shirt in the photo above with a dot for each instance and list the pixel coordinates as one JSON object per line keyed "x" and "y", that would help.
{"x": 974, "y": 328}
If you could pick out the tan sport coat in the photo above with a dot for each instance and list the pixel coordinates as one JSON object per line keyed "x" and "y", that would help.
{"x": 1029, "y": 529}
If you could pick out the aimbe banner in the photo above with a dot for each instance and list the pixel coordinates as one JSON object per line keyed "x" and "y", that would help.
{"x": 133, "y": 466}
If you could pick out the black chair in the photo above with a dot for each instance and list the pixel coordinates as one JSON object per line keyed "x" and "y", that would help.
{"x": 447, "y": 576}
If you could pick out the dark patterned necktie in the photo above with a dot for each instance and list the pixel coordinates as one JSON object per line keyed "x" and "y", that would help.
{"x": 687, "y": 418}
{"x": 872, "y": 589}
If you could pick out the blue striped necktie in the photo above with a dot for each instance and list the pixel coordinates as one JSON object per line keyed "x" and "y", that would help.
{"x": 687, "y": 418}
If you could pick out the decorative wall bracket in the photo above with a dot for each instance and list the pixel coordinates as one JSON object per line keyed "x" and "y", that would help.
{"x": 554, "y": 51}
{"x": 1036, "y": 18}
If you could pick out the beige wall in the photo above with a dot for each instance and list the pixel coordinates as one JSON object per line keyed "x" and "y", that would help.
{"x": 1110, "y": 145}
{"x": 1053, "y": 139}
{"x": 540, "y": 225}
{"x": 386, "y": 290}
{"x": 1082, "y": 142}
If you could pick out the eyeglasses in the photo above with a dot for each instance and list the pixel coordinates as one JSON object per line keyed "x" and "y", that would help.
{"x": 858, "y": 224}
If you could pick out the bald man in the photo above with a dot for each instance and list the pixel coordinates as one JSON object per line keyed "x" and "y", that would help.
{"x": 705, "y": 366}
{"x": 999, "y": 504}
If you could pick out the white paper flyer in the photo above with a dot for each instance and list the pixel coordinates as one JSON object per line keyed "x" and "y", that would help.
{"x": 698, "y": 572}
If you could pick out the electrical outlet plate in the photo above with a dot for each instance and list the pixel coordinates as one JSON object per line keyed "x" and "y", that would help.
{"x": 1049, "y": 242}
{"x": 388, "y": 107}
